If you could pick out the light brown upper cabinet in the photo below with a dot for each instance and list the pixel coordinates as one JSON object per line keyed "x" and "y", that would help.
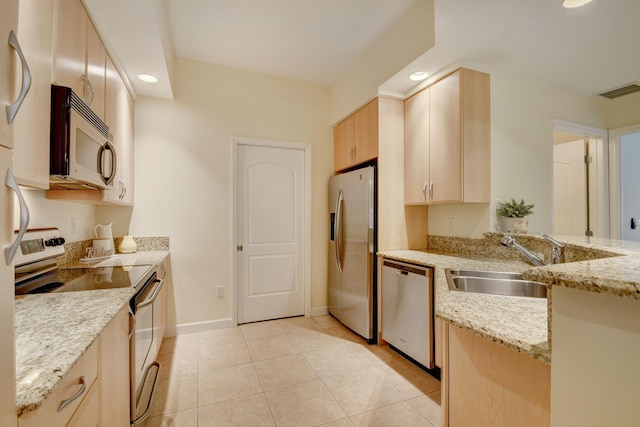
{"x": 119, "y": 118}
{"x": 416, "y": 148}
{"x": 355, "y": 139}
{"x": 452, "y": 118}
{"x": 31, "y": 126}
{"x": 79, "y": 56}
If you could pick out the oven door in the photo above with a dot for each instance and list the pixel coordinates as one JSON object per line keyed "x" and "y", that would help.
{"x": 144, "y": 349}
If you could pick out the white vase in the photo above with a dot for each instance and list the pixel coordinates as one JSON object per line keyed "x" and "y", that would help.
{"x": 128, "y": 245}
{"x": 516, "y": 225}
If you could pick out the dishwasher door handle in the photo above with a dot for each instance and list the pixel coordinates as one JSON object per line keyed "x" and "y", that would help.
{"x": 402, "y": 272}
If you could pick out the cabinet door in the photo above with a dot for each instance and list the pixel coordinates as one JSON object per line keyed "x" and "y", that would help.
{"x": 114, "y": 371}
{"x": 8, "y": 23}
{"x": 70, "y": 44}
{"x": 445, "y": 153}
{"x": 7, "y": 291}
{"x": 8, "y": 417}
{"x": 32, "y": 124}
{"x": 343, "y": 143}
{"x": 119, "y": 118}
{"x": 95, "y": 71}
{"x": 416, "y": 148}
{"x": 366, "y": 133}
{"x": 492, "y": 385}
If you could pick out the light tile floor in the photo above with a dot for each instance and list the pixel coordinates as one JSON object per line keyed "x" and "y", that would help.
{"x": 290, "y": 372}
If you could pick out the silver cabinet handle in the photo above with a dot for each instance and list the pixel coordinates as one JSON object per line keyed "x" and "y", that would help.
{"x": 430, "y": 190}
{"x": 81, "y": 390}
{"x": 88, "y": 91}
{"x": 12, "y": 109}
{"x": 10, "y": 252}
{"x": 424, "y": 190}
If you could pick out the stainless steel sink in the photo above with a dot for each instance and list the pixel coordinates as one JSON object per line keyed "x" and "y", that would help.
{"x": 495, "y": 283}
{"x": 486, "y": 273}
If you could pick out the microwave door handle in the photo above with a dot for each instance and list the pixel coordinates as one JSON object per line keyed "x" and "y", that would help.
{"x": 101, "y": 152}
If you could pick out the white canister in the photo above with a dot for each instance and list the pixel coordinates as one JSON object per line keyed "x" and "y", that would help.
{"x": 128, "y": 245}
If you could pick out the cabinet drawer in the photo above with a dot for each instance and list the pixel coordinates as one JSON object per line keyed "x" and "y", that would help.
{"x": 88, "y": 414}
{"x": 85, "y": 371}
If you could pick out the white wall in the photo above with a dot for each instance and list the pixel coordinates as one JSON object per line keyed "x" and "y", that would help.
{"x": 400, "y": 45}
{"x": 183, "y": 158}
{"x": 522, "y": 111}
{"x": 54, "y": 213}
{"x": 623, "y": 111}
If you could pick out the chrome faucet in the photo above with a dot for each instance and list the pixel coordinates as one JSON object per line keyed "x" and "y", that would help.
{"x": 557, "y": 251}
{"x": 510, "y": 242}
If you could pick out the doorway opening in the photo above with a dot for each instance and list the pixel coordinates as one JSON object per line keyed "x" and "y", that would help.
{"x": 624, "y": 151}
{"x": 580, "y": 180}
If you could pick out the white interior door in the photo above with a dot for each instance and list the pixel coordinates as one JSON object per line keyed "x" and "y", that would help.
{"x": 271, "y": 237}
{"x": 570, "y": 188}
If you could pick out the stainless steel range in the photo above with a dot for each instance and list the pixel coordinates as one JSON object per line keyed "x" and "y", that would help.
{"x": 36, "y": 271}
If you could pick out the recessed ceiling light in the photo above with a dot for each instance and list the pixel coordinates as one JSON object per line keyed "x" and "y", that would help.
{"x": 572, "y": 4}
{"x": 148, "y": 78}
{"x": 418, "y": 76}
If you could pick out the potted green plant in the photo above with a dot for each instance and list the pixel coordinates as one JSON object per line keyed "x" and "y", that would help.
{"x": 514, "y": 213}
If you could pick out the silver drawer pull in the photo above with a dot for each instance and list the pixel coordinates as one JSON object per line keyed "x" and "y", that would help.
{"x": 80, "y": 392}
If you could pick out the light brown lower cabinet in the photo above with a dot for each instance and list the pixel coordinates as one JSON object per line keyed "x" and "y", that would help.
{"x": 487, "y": 384}
{"x": 96, "y": 388}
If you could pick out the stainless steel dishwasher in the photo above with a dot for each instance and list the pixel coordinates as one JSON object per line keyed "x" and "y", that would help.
{"x": 407, "y": 310}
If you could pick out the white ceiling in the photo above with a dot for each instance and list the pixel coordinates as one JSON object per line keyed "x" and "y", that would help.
{"x": 585, "y": 50}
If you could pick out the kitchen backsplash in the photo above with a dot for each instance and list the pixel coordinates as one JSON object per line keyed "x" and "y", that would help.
{"x": 490, "y": 246}
{"x": 77, "y": 250}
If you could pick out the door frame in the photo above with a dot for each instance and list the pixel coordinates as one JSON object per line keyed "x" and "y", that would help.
{"x": 615, "y": 206}
{"x": 236, "y": 142}
{"x": 599, "y": 196}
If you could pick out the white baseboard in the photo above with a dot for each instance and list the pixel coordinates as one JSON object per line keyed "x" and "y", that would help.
{"x": 210, "y": 325}
{"x": 319, "y": 311}
{"x": 192, "y": 328}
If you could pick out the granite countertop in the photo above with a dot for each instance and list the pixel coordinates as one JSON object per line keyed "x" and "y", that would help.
{"x": 597, "y": 265}
{"x": 137, "y": 258}
{"x": 518, "y": 323}
{"x": 54, "y": 330}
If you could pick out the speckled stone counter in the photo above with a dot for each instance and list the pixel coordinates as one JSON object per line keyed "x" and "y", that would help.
{"x": 54, "y": 330}
{"x": 137, "y": 258}
{"x": 518, "y": 323}
{"x": 523, "y": 324}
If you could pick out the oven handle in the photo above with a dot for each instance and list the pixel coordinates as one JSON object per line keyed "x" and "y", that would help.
{"x": 153, "y": 296}
{"x": 147, "y": 411}
{"x": 133, "y": 323}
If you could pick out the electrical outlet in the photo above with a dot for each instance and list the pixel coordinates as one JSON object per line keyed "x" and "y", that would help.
{"x": 220, "y": 291}
{"x": 74, "y": 225}
{"x": 452, "y": 223}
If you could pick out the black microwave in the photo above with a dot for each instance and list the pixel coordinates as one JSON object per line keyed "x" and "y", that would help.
{"x": 82, "y": 155}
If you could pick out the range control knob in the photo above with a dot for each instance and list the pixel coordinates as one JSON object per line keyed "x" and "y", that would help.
{"x": 54, "y": 241}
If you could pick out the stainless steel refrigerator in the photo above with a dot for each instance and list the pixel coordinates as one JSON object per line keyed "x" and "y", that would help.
{"x": 352, "y": 249}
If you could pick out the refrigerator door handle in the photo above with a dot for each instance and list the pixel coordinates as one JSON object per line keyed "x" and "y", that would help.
{"x": 338, "y": 231}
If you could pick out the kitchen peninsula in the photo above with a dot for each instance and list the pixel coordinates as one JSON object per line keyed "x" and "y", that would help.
{"x": 590, "y": 320}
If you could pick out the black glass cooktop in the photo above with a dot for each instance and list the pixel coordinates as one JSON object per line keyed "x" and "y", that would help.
{"x": 84, "y": 279}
